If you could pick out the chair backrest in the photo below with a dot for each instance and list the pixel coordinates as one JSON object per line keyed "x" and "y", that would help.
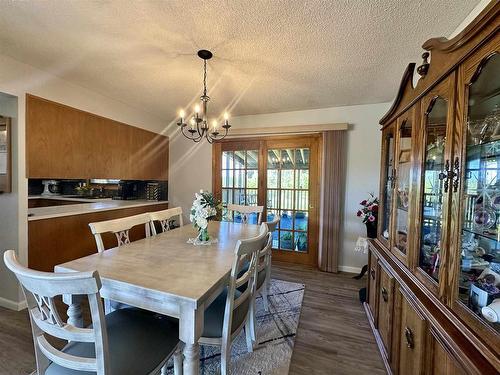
{"x": 40, "y": 288}
{"x": 245, "y": 210}
{"x": 120, "y": 227}
{"x": 264, "y": 255}
{"x": 239, "y": 306}
{"x": 164, "y": 217}
{"x": 272, "y": 225}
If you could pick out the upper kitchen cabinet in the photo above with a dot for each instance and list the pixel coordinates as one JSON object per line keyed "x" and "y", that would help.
{"x": 64, "y": 142}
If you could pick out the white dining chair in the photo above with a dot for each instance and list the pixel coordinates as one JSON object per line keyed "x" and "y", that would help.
{"x": 125, "y": 342}
{"x": 120, "y": 227}
{"x": 164, "y": 217}
{"x": 229, "y": 313}
{"x": 246, "y": 210}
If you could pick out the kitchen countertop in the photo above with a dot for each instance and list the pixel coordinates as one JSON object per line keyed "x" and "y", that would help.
{"x": 90, "y": 205}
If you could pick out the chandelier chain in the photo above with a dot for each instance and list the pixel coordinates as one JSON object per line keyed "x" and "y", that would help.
{"x": 205, "y": 78}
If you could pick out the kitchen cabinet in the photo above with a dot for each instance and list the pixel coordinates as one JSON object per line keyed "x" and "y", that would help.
{"x": 438, "y": 239}
{"x": 66, "y": 143}
{"x": 60, "y": 239}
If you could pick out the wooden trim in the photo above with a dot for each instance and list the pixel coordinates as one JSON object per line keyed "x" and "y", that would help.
{"x": 407, "y": 79}
{"x": 285, "y": 130}
{"x": 6, "y": 180}
{"x": 449, "y": 45}
{"x": 445, "y": 58}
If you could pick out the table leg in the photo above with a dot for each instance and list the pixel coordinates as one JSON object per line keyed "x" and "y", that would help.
{"x": 191, "y": 359}
{"x": 190, "y": 330}
{"x": 74, "y": 310}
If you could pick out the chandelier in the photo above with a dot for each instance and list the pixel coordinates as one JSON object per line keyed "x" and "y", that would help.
{"x": 198, "y": 127}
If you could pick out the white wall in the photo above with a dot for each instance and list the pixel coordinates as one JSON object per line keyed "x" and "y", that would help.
{"x": 191, "y": 164}
{"x": 9, "y": 223}
{"x": 17, "y": 79}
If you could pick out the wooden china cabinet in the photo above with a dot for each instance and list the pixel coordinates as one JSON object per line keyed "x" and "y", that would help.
{"x": 434, "y": 268}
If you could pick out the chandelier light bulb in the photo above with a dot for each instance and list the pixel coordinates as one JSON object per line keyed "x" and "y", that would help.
{"x": 197, "y": 109}
{"x": 181, "y": 114}
{"x": 214, "y": 124}
{"x": 226, "y": 116}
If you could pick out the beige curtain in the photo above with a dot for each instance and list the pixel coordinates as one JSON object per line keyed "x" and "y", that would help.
{"x": 332, "y": 199}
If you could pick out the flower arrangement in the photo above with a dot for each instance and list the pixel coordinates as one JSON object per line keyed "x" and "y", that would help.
{"x": 368, "y": 213}
{"x": 205, "y": 207}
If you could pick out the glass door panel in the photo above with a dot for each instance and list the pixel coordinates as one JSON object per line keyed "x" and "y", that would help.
{"x": 479, "y": 272}
{"x": 388, "y": 182}
{"x": 240, "y": 179}
{"x": 288, "y": 196}
{"x": 402, "y": 190}
{"x": 434, "y": 185}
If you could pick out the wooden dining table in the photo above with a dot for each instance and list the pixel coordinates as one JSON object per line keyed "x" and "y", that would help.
{"x": 167, "y": 275}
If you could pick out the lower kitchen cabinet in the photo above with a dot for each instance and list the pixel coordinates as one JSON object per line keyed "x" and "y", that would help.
{"x": 373, "y": 287}
{"x": 61, "y": 239}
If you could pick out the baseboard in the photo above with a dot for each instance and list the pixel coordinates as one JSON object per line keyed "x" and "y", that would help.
{"x": 13, "y": 305}
{"x": 349, "y": 269}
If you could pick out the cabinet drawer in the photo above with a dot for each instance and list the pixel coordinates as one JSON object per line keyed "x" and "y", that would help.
{"x": 412, "y": 338}
{"x": 385, "y": 307}
{"x": 373, "y": 280}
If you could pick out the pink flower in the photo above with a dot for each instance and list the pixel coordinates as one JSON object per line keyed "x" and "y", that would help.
{"x": 375, "y": 208}
{"x": 363, "y": 203}
{"x": 359, "y": 213}
{"x": 371, "y": 218}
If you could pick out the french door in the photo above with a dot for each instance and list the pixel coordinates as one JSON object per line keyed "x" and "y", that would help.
{"x": 281, "y": 174}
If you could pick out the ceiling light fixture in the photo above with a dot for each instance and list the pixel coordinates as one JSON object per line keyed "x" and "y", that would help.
{"x": 198, "y": 124}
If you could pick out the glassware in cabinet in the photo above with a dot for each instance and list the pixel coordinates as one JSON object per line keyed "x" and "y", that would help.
{"x": 387, "y": 183}
{"x": 479, "y": 269}
{"x": 401, "y": 199}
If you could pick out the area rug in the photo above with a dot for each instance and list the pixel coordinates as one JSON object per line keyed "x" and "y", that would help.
{"x": 276, "y": 332}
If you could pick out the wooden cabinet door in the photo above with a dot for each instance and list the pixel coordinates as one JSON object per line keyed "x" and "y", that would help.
{"x": 435, "y": 143}
{"x": 411, "y": 338}
{"x": 385, "y": 307}
{"x": 440, "y": 360}
{"x": 403, "y": 193}
{"x": 387, "y": 184}
{"x": 373, "y": 280}
{"x": 476, "y": 193}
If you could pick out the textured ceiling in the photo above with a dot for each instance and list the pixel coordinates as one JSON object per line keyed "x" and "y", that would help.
{"x": 270, "y": 55}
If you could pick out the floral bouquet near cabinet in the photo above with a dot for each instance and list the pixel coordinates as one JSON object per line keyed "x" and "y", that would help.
{"x": 205, "y": 207}
{"x": 368, "y": 214}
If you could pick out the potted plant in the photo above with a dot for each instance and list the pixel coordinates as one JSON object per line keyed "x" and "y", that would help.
{"x": 286, "y": 241}
{"x": 205, "y": 207}
{"x": 368, "y": 214}
{"x": 301, "y": 242}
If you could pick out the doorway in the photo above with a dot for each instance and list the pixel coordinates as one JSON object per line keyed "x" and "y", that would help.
{"x": 281, "y": 174}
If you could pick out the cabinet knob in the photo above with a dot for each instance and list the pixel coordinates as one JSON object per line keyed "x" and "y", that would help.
{"x": 384, "y": 294}
{"x": 410, "y": 343}
{"x": 372, "y": 273}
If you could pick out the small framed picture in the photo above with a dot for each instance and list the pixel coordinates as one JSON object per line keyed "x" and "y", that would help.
{"x": 404, "y": 156}
{"x": 478, "y": 297}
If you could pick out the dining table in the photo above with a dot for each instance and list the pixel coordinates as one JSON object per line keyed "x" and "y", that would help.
{"x": 167, "y": 275}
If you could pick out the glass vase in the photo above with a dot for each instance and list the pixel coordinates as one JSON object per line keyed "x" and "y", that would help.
{"x": 203, "y": 235}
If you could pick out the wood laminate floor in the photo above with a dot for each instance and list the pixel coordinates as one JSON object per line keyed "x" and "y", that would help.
{"x": 333, "y": 337}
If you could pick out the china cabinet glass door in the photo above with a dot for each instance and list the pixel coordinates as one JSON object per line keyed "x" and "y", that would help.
{"x": 435, "y": 184}
{"x": 387, "y": 183}
{"x": 401, "y": 199}
{"x": 478, "y": 281}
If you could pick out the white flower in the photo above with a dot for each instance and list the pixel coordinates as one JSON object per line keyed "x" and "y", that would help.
{"x": 202, "y": 222}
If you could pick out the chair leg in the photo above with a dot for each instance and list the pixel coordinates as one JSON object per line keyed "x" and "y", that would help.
{"x": 251, "y": 322}
{"x": 225, "y": 358}
{"x": 248, "y": 334}
{"x": 264, "y": 293}
{"x": 178, "y": 361}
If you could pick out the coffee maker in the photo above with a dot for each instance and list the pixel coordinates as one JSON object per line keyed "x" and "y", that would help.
{"x": 127, "y": 190}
